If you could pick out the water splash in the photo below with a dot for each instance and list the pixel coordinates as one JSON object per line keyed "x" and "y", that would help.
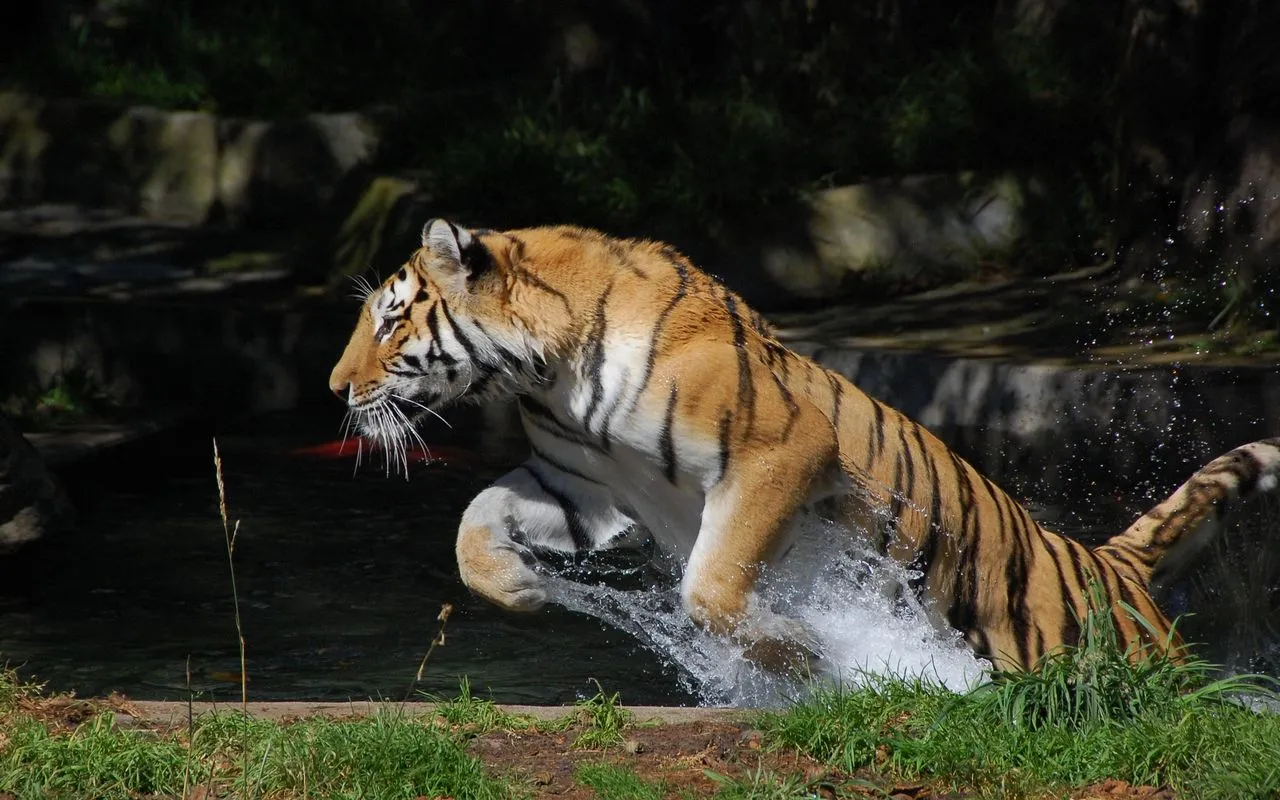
{"x": 843, "y": 596}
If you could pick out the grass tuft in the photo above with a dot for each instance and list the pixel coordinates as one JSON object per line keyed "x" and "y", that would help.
{"x": 1097, "y": 682}
{"x": 387, "y": 755}
{"x": 605, "y": 718}
{"x": 1086, "y": 714}
{"x": 95, "y": 760}
{"x": 475, "y": 715}
{"x": 761, "y": 784}
{"x": 614, "y": 782}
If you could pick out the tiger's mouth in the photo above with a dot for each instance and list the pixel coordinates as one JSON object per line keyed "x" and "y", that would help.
{"x": 388, "y": 422}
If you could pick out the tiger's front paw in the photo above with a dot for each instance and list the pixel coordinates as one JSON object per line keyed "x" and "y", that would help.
{"x": 496, "y": 571}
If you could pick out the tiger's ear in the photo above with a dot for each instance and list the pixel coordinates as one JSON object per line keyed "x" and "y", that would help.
{"x": 459, "y": 255}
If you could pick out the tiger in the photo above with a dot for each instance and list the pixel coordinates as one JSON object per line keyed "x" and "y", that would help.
{"x": 656, "y": 403}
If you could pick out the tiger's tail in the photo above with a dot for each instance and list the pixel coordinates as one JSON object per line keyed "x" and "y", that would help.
{"x": 1161, "y": 543}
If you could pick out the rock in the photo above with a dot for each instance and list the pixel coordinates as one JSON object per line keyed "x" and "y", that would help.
{"x": 894, "y": 231}
{"x": 273, "y": 173}
{"x": 920, "y": 228}
{"x": 183, "y": 166}
{"x": 32, "y": 502}
{"x": 170, "y": 162}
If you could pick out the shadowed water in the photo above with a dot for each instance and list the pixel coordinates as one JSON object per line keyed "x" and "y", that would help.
{"x": 342, "y": 576}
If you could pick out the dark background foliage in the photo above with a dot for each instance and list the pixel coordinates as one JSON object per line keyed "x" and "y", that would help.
{"x": 670, "y": 117}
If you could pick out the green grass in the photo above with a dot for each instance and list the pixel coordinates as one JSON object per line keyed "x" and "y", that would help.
{"x": 761, "y": 784}
{"x": 919, "y": 730}
{"x": 72, "y": 395}
{"x": 613, "y": 782}
{"x": 605, "y": 718}
{"x": 95, "y": 761}
{"x": 387, "y": 755}
{"x": 1087, "y": 714}
{"x": 477, "y": 715}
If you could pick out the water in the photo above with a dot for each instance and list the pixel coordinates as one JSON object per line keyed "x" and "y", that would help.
{"x": 844, "y": 600}
{"x": 341, "y": 578}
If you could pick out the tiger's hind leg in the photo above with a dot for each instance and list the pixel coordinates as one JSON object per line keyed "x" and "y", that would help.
{"x": 534, "y": 508}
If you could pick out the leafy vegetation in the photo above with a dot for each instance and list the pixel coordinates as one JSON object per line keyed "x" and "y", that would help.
{"x": 72, "y": 395}
{"x": 662, "y": 118}
{"x": 1087, "y": 714}
{"x": 477, "y": 715}
{"x": 605, "y": 718}
{"x": 614, "y": 782}
{"x": 386, "y": 755}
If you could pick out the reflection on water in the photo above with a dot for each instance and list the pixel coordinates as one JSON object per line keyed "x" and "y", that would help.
{"x": 342, "y": 576}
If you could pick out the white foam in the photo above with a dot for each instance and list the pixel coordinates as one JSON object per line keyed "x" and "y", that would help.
{"x": 839, "y": 594}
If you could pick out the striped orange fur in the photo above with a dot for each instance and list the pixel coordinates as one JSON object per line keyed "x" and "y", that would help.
{"x": 657, "y": 402}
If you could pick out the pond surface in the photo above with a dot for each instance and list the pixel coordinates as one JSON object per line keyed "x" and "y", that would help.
{"x": 341, "y": 577}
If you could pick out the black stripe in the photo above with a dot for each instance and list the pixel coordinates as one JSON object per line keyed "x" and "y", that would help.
{"x": 561, "y": 466}
{"x": 982, "y": 645}
{"x": 964, "y": 602}
{"x": 1015, "y": 571}
{"x": 726, "y": 422}
{"x": 877, "y": 431}
{"x": 595, "y": 357}
{"x": 681, "y": 291}
{"x": 746, "y": 383}
{"x": 893, "y": 523}
{"x": 1124, "y": 593}
{"x": 666, "y": 439}
{"x": 623, "y": 258}
{"x": 606, "y": 422}
{"x": 933, "y": 530}
{"x": 793, "y": 409}
{"x": 1069, "y": 634}
{"x": 1016, "y": 574}
{"x": 837, "y": 397}
{"x": 435, "y": 349}
{"x": 433, "y": 324}
{"x": 518, "y": 271}
{"x": 1100, "y": 574}
{"x": 1125, "y": 555}
{"x": 1074, "y": 550}
{"x": 506, "y": 357}
{"x": 544, "y": 419}
{"x": 458, "y": 333}
{"x": 573, "y": 521}
{"x": 903, "y": 468}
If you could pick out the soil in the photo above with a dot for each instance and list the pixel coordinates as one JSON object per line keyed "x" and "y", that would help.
{"x": 685, "y": 757}
{"x": 682, "y": 757}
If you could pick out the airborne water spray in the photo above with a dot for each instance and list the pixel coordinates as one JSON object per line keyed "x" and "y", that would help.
{"x": 846, "y": 597}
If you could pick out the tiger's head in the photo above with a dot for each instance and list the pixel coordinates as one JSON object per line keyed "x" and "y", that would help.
{"x": 438, "y": 331}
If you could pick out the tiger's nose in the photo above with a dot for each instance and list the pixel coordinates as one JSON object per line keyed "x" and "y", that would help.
{"x": 341, "y": 389}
